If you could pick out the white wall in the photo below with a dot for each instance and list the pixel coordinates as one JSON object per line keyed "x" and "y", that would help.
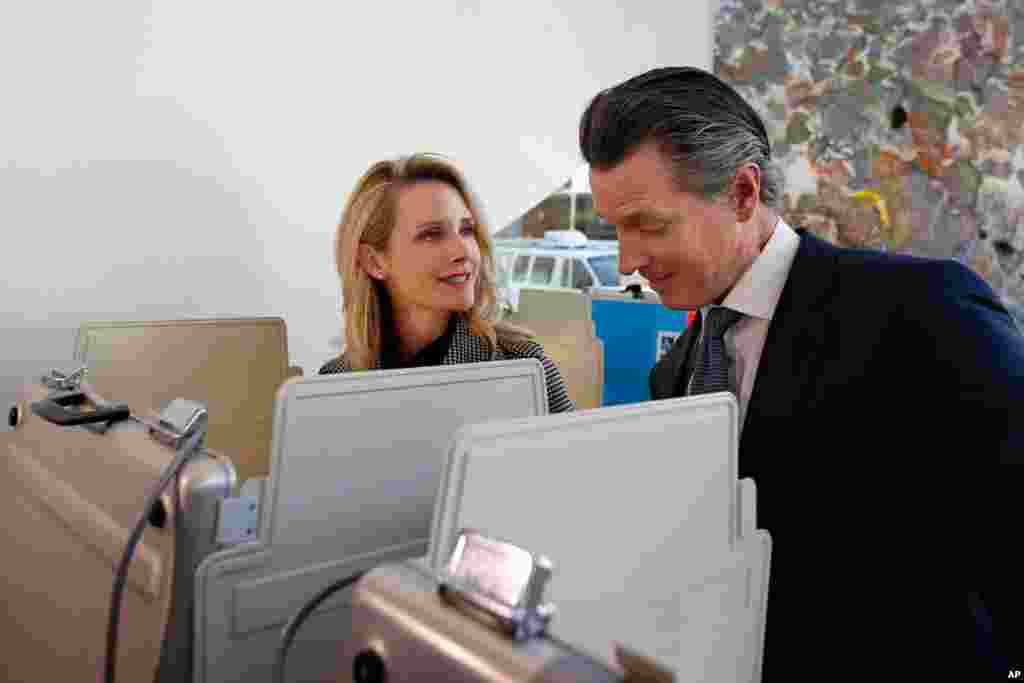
{"x": 186, "y": 158}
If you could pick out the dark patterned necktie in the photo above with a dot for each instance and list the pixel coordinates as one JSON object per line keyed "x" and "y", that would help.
{"x": 711, "y": 369}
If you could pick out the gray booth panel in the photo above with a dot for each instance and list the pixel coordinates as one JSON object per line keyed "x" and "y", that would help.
{"x": 356, "y": 466}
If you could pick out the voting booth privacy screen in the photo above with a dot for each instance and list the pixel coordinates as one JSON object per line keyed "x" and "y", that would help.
{"x": 652, "y": 537}
{"x": 356, "y": 465}
{"x": 233, "y": 366}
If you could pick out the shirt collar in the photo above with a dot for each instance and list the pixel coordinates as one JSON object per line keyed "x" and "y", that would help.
{"x": 756, "y": 293}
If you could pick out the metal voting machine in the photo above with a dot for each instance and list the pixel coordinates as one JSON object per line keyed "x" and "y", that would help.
{"x": 356, "y": 463}
{"x": 653, "y": 538}
{"x": 69, "y": 497}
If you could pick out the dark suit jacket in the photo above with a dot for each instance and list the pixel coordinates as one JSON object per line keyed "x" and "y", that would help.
{"x": 889, "y": 390}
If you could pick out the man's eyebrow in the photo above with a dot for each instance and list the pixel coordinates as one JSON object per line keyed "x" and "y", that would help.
{"x": 641, "y": 215}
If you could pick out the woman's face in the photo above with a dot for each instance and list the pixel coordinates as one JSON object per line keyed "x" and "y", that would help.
{"x": 432, "y": 258}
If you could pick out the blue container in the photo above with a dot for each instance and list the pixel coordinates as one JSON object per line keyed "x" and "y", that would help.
{"x": 635, "y": 334}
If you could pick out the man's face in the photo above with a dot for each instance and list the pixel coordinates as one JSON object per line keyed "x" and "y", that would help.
{"x": 692, "y": 250}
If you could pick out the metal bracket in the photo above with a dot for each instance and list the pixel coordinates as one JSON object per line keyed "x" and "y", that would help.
{"x": 500, "y": 580}
{"x": 180, "y": 422}
{"x": 238, "y": 520}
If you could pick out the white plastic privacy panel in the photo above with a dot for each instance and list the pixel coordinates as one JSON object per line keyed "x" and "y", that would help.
{"x": 356, "y": 465}
{"x": 638, "y": 508}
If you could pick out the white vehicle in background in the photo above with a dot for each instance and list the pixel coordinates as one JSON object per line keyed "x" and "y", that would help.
{"x": 562, "y": 259}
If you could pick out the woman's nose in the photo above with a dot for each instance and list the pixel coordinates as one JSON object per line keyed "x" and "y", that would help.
{"x": 457, "y": 248}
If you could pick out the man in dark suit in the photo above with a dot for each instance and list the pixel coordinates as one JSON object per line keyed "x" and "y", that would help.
{"x": 877, "y": 393}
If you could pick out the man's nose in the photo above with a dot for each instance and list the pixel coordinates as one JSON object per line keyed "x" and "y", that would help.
{"x": 630, "y": 260}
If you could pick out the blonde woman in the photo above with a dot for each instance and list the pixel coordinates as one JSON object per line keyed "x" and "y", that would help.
{"x": 418, "y": 277}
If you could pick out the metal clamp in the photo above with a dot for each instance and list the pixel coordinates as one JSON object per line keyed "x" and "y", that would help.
{"x": 60, "y": 381}
{"x": 181, "y": 422}
{"x": 62, "y": 408}
{"x": 500, "y": 581}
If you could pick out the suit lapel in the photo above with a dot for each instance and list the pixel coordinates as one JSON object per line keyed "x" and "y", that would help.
{"x": 665, "y": 374}
{"x": 799, "y": 338}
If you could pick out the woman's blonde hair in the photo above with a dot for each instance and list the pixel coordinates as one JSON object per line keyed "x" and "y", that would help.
{"x": 369, "y": 218}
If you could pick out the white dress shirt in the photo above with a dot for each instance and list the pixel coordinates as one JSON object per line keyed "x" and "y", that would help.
{"x": 755, "y": 295}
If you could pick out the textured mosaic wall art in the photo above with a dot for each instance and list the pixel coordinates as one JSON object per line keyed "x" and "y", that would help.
{"x": 899, "y": 123}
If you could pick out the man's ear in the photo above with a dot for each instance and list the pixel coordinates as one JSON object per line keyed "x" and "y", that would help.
{"x": 371, "y": 262}
{"x": 746, "y": 192}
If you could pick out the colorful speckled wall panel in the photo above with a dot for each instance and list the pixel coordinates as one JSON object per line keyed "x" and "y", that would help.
{"x": 899, "y": 123}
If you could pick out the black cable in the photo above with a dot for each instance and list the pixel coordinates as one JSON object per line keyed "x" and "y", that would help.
{"x": 121, "y": 576}
{"x": 292, "y": 627}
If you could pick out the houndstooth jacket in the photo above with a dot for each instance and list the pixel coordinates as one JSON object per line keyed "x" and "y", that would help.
{"x": 466, "y": 347}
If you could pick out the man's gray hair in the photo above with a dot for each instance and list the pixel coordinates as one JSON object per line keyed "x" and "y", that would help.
{"x": 703, "y": 128}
